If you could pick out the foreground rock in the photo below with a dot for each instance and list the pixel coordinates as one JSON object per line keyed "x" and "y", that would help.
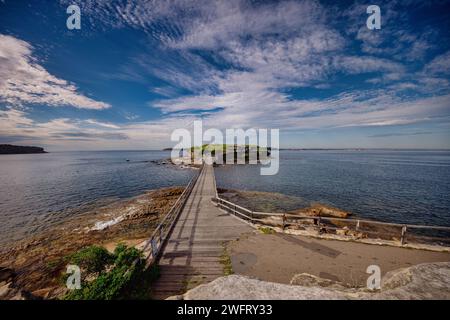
{"x": 424, "y": 281}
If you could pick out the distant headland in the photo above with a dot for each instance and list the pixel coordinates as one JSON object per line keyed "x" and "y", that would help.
{"x": 11, "y": 149}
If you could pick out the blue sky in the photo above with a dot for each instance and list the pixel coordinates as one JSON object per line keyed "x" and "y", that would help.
{"x": 137, "y": 70}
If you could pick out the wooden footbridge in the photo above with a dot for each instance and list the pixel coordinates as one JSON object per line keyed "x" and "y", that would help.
{"x": 189, "y": 244}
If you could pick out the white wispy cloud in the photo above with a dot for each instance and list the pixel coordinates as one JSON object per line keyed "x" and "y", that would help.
{"x": 24, "y": 81}
{"x": 266, "y": 49}
{"x": 440, "y": 65}
{"x": 16, "y": 126}
{"x": 287, "y": 44}
{"x": 17, "y": 123}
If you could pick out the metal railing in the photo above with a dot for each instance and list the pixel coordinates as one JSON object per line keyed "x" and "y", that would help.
{"x": 354, "y": 228}
{"x": 157, "y": 240}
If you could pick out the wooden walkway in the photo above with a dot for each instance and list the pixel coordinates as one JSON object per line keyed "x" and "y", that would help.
{"x": 192, "y": 254}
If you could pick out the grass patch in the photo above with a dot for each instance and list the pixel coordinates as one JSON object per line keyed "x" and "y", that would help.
{"x": 266, "y": 230}
{"x": 225, "y": 260}
{"x": 190, "y": 283}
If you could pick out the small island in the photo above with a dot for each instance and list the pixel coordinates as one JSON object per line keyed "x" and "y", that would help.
{"x": 11, "y": 149}
{"x": 223, "y": 150}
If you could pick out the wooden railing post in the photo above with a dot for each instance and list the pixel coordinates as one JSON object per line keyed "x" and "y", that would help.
{"x": 284, "y": 221}
{"x": 318, "y": 225}
{"x": 154, "y": 248}
{"x": 403, "y": 238}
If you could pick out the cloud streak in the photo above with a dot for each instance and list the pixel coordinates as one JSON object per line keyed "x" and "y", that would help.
{"x": 24, "y": 81}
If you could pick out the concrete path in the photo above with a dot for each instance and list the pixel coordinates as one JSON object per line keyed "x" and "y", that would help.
{"x": 279, "y": 257}
{"x": 192, "y": 255}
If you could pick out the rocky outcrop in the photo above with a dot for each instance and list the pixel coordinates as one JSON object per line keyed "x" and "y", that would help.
{"x": 39, "y": 261}
{"x": 237, "y": 287}
{"x": 10, "y": 149}
{"x": 321, "y": 210}
{"x": 424, "y": 281}
{"x": 8, "y": 288}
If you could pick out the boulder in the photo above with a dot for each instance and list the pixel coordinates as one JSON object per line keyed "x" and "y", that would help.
{"x": 322, "y": 211}
{"x": 342, "y": 232}
{"x": 235, "y": 287}
{"x": 309, "y": 280}
{"x": 424, "y": 281}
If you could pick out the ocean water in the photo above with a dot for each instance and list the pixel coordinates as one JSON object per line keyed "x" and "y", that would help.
{"x": 38, "y": 190}
{"x": 395, "y": 186}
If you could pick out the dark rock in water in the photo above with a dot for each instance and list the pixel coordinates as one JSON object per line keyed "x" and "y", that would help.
{"x": 10, "y": 149}
{"x": 161, "y": 161}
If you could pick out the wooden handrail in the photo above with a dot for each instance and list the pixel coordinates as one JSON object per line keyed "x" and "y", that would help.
{"x": 285, "y": 216}
{"x": 162, "y": 231}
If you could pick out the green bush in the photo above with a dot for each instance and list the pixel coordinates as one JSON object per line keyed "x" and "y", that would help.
{"x": 125, "y": 256}
{"x": 92, "y": 259}
{"x": 127, "y": 267}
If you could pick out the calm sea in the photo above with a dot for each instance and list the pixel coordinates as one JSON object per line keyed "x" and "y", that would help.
{"x": 39, "y": 190}
{"x": 395, "y": 186}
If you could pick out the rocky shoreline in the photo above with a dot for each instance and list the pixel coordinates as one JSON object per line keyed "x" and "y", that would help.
{"x": 33, "y": 267}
